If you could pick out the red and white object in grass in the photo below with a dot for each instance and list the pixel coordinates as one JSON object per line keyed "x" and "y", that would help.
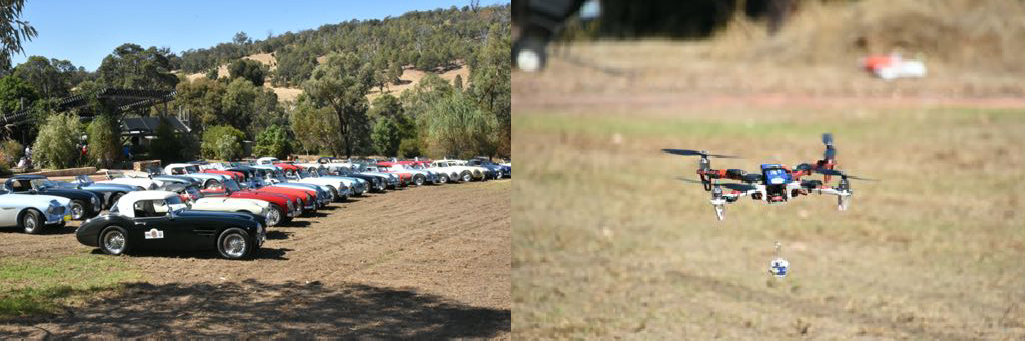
{"x": 893, "y": 66}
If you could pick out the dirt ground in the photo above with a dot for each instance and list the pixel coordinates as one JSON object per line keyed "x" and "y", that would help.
{"x": 430, "y": 262}
{"x": 608, "y": 244}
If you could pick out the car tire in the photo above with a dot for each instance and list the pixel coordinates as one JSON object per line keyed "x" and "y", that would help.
{"x": 113, "y": 240}
{"x": 419, "y": 180}
{"x": 31, "y": 221}
{"x": 467, "y": 177}
{"x": 78, "y": 211}
{"x": 498, "y": 175}
{"x": 235, "y": 243}
{"x": 274, "y": 213}
{"x": 443, "y": 177}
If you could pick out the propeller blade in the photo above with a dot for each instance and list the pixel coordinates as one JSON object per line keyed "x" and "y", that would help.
{"x": 739, "y": 187}
{"x": 841, "y": 174}
{"x": 690, "y": 152}
{"x": 688, "y": 180}
{"x": 733, "y": 186}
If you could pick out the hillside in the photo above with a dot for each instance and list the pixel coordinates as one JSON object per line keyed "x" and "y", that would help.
{"x": 409, "y": 79}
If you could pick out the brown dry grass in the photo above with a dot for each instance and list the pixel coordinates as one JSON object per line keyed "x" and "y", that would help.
{"x": 984, "y": 36}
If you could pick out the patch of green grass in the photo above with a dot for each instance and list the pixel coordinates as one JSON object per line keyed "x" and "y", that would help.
{"x": 41, "y": 286}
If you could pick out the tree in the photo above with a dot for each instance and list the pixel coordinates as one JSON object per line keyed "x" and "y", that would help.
{"x": 396, "y": 72}
{"x": 56, "y": 145}
{"x": 457, "y": 126}
{"x": 167, "y": 146}
{"x": 273, "y": 141}
{"x": 315, "y": 128}
{"x": 13, "y": 32}
{"x": 212, "y": 74}
{"x": 49, "y": 79}
{"x": 237, "y": 104}
{"x": 104, "y": 141}
{"x": 341, "y": 84}
{"x": 490, "y": 84}
{"x": 247, "y": 69}
{"x": 241, "y": 38}
{"x": 16, "y": 94}
{"x": 386, "y": 137}
{"x": 130, "y": 66}
{"x": 214, "y": 146}
{"x": 458, "y": 82}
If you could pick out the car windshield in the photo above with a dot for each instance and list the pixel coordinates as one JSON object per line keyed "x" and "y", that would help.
{"x": 40, "y": 184}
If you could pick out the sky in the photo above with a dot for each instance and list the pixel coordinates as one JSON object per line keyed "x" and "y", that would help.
{"x": 85, "y": 32}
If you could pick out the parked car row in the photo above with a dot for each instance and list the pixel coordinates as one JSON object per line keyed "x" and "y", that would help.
{"x": 225, "y": 206}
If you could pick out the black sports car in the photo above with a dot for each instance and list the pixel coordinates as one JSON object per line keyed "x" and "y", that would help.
{"x": 84, "y": 204}
{"x": 160, "y": 220}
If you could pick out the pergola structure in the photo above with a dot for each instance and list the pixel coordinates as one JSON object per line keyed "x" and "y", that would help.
{"x": 121, "y": 101}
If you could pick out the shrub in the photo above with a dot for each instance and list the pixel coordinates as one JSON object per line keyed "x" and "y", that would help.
{"x": 410, "y": 148}
{"x": 104, "y": 142}
{"x": 211, "y": 146}
{"x": 11, "y": 151}
{"x": 166, "y": 146}
{"x": 55, "y": 147}
{"x": 273, "y": 141}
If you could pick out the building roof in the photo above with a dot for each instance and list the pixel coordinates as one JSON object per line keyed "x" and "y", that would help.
{"x": 148, "y": 125}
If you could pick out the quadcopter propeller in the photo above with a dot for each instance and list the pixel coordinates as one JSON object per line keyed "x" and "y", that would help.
{"x": 688, "y": 152}
{"x": 841, "y": 174}
{"x": 830, "y": 153}
{"x": 733, "y": 186}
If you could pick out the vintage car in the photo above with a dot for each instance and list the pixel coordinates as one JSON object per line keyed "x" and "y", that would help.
{"x": 352, "y": 186}
{"x": 485, "y": 171}
{"x": 192, "y": 170}
{"x": 288, "y": 205}
{"x": 160, "y": 220}
{"x": 115, "y": 177}
{"x": 456, "y": 171}
{"x": 33, "y": 212}
{"x": 191, "y": 195}
{"x": 108, "y": 192}
{"x": 405, "y": 177}
{"x": 84, "y": 204}
{"x": 497, "y": 171}
{"x": 267, "y": 160}
{"x": 391, "y": 181}
{"x": 375, "y": 183}
{"x": 324, "y": 193}
{"x": 420, "y": 176}
{"x": 439, "y": 178}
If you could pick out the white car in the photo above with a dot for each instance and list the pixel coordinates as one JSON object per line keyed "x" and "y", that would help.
{"x": 32, "y": 212}
{"x": 226, "y": 204}
{"x": 124, "y": 179}
{"x": 456, "y": 171}
{"x": 190, "y": 170}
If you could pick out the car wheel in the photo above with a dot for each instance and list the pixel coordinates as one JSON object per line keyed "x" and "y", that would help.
{"x": 418, "y": 180}
{"x": 273, "y": 217}
{"x": 334, "y": 194}
{"x": 443, "y": 177}
{"x": 234, "y": 243}
{"x": 498, "y": 175}
{"x": 77, "y": 210}
{"x": 467, "y": 177}
{"x": 32, "y": 222}
{"x": 114, "y": 241}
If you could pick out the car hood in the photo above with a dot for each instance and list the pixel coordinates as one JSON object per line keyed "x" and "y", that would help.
{"x": 35, "y": 199}
{"x": 214, "y": 214}
{"x": 70, "y": 193}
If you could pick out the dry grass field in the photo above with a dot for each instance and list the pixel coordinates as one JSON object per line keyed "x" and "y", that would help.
{"x": 606, "y": 243}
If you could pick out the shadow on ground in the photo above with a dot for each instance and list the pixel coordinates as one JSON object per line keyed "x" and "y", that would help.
{"x": 255, "y": 309}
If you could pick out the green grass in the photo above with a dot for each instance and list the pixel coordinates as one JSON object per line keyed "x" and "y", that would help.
{"x": 43, "y": 285}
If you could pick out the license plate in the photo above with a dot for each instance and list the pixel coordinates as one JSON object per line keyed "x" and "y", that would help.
{"x": 67, "y": 217}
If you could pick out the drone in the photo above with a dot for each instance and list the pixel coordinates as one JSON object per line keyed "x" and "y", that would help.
{"x": 776, "y": 184}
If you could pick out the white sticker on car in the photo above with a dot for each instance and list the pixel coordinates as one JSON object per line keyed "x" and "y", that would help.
{"x": 154, "y": 234}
